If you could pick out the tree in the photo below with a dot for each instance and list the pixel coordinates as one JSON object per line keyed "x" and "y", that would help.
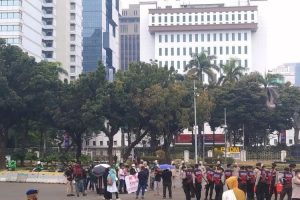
{"x": 231, "y": 72}
{"x": 201, "y": 64}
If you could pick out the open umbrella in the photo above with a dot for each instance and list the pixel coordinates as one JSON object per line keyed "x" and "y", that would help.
{"x": 166, "y": 166}
{"x": 100, "y": 169}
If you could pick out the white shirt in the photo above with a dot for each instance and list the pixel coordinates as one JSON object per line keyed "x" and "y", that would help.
{"x": 228, "y": 195}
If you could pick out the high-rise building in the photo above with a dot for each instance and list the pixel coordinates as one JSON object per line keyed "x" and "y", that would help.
{"x": 129, "y": 36}
{"x": 21, "y": 25}
{"x": 290, "y": 73}
{"x": 69, "y": 37}
{"x": 100, "y": 34}
{"x": 173, "y": 33}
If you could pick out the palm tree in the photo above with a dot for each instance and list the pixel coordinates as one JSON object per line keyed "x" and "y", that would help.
{"x": 231, "y": 72}
{"x": 201, "y": 64}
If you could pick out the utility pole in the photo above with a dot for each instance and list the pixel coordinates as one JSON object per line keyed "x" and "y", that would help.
{"x": 195, "y": 123}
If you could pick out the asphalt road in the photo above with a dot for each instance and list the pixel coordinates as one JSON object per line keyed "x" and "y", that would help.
{"x": 16, "y": 191}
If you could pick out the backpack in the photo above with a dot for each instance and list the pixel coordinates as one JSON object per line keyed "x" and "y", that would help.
{"x": 77, "y": 171}
{"x": 228, "y": 173}
{"x": 251, "y": 177}
{"x": 109, "y": 180}
{"x": 287, "y": 178}
{"x": 243, "y": 177}
{"x": 217, "y": 178}
{"x": 209, "y": 175}
{"x": 198, "y": 176}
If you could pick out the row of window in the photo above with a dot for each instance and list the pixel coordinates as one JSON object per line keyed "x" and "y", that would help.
{"x": 10, "y": 15}
{"x": 10, "y": 28}
{"x": 203, "y": 37}
{"x": 101, "y": 143}
{"x": 210, "y": 50}
{"x": 181, "y": 64}
{"x": 14, "y": 40}
{"x": 10, "y": 2}
{"x": 221, "y": 17}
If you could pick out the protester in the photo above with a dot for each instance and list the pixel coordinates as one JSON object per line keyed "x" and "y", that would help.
{"x": 157, "y": 180}
{"x": 228, "y": 171}
{"x": 122, "y": 173}
{"x": 133, "y": 170}
{"x": 234, "y": 193}
{"x": 274, "y": 181}
{"x": 106, "y": 193}
{"x": 260, "y": 182}
{"x": 167, "y": 182}
{"x": 112, "y": 183}
{"x": 174, "y": 175}
{"x": 296, "y": 186}
{"x": 198, "y": 173}
{"x": 69, "y": 175}
{"x": 143, "y": 179}
{"x": 286, "y": 180}
{"x": 250, "y": 183}
{"x": 242, "y": 179}
{"x": 78, "y": 174}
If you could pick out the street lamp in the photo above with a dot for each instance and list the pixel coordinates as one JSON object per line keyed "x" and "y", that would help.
{"x": 195, "y": 123}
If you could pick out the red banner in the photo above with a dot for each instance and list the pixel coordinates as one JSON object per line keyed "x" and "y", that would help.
{"x": 208, "y": 138}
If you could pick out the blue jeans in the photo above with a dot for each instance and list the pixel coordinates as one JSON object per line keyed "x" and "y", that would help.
{"x": 143, "y": 187}
{"x": 122, "y": 186}
{"x": 79, "y": 185}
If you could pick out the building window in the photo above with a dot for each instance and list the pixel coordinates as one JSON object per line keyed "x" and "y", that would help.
{"x": 221, "y": 62}
{"x": 178, "y": 38}
{"x": 221, "y": 37}
{"x": 172, "y": 63}
{"x": 184, "y": 64}
{"x": 166, "y": 51}
{"x": 183, "y": 18}
{"x": 208, "y": 37}
{"x": 166, "y": 19}
{"x": 73, "y": 6}
{"x": 72, "y": 69}
{"x": 246, "y": 63}
{"x": 115, "y": 143}
{"x": 184, "y": 38}
{"x": 233, "y": 50}
{"x": 135, "y": 28}
{"x": 178, "y": 64}
{"x": 233, "y": 36}
{"x": 239, "y": 50}
{"x": 245, "y": 36}
{"x": 72, "y": 27}
{"x": 190, "y": 37}
{"x": 202, "y": 37}
{"x": 252, "y": 16}
{"x": 184, "y": 51}
{"x": 227, "y": 50}
{"x": 160, "y": 51}
{"x": 72, "y": 37}
{"x": 245, "y": 16}
{"x": 172, "y": 51}
{"x": 166, "y": 64}
{"x": 215, "y": 50}
{"x": 159, "y": 19}
{"x": 227, "y": 36}
{"x": 160, "y": 64}
{"x": 160, "y": 38}
{"x": 172, "y": 38}
{"x": 221, "y": 50}
{"x": 227, "y": 17}
{"x": 220, "y": 17}
{"x": 73, "y": 16}
{"x": 215, "y": 37}
{"x": 196, "y": 37}
{"x": 72, "y": 58}
{"x": 178, "y": 19}
{"x": 245, "y": 49}
{"x": 94, "y": 143}
{"x": 166, "y": 38}
{"x": 233, "y": 17}
{"x": 190, "y": 18}
{"x": 172, "y": 19}
{"x": 239, "y": 17}
{"x": 190, "y": 51}
{"x": 239, "y": 36}
{"x": 208, "y": 18}
{"x": 196, "y": 50}
{"x": 153, "y": 19}
{"x": 178, "y": 51}
{"x": 208, "y": 50}
{"x": 214, "y": 18}
{"x": 196, "y": 18}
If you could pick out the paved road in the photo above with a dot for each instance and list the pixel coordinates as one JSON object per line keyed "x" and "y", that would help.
{"x": 16, "y": 191}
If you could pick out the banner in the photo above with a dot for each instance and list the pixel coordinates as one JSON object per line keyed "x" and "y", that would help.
{"x": 132, "y": 183}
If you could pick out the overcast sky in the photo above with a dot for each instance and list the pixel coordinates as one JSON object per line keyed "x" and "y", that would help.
{"x": 283, "y": 30}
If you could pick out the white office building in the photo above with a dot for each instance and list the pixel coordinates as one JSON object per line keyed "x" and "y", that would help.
{"x": 21, "y": 25}
{"x": 174, "y": 32}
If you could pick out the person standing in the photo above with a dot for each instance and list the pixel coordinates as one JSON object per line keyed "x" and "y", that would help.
{"x": 112, "y": 183}
{"x": 286, "y": 181}
{"x": 157, "y": 180}
{"x": 69, "y": 175}
{"x": 187, "y": 177}
{"x": 250, "y": 183}
{"x": 243, "y": 176}
{"x": 274, "y": 181}
{"x": 78, "y": 173}
{"x": 107, "y": 195}
{"x": 209, "y": 187}
{"x": 198, "y": 181}
{"x": 296, "y": 186}
{"x": 228, "y": 171}
{"x": 121, "y": 174}
{"x": 233, "y": 192}
{"x": 143, "y": 180}
{"x": 167, "y": 183}
{"x": 174, "y": 174}
{"x": 260, "y": 182}
{"x": 218, "y": 179}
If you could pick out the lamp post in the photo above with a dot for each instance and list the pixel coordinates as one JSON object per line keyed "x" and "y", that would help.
{"x": 195, "y": 123}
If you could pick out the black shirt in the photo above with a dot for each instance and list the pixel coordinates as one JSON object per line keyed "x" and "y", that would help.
{"x": 167, "y": 176}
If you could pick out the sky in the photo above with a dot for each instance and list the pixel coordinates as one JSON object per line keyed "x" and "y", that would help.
{"x": 282, "y": 29}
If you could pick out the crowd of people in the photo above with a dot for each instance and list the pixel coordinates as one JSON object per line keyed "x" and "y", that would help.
{"x": 230, "y": 182}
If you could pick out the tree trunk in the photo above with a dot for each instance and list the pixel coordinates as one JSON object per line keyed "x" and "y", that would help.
{"x": 213, "y": 150}
{"x": 110, "y": 149}
{"x": 296, "y": 136}
{"x": 166, "y": 148}
{"x": 78, "y": 146}
{"x": 2, "y": 149}
{"x": 132, "y": 145}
